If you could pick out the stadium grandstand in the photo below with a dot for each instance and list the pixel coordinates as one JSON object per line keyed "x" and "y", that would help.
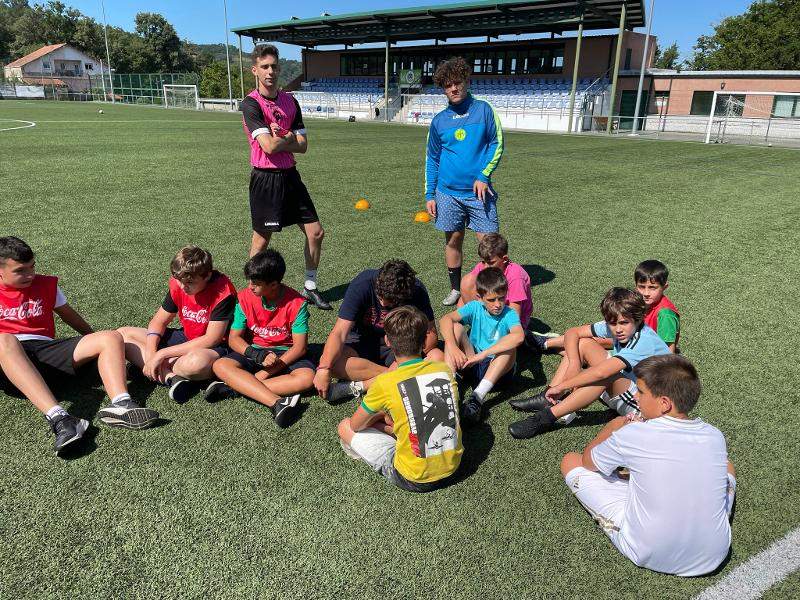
{"x": 535, "y": 83}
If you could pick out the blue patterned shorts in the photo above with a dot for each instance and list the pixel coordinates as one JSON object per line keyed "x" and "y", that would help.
{"x": 456, "y": 214}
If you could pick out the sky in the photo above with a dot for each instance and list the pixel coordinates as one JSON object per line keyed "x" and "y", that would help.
{"x": 202, "y": 21}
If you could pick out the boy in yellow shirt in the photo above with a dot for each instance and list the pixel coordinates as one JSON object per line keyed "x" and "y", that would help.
{"x": 407, "y": 427}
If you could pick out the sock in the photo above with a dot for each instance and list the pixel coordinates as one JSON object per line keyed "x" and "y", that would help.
{"x": 455, "y": 277}
{"x": 56, "y": 411}
{"x": 311, "y": 279}
{"x": 357, "y": 386}
{"x": 120, "y": 397}
{"x": 547, "y": 416}
{"x": 484, "y": 387}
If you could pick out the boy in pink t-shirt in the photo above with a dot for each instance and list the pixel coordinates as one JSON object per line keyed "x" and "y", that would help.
{"x": 493, "y": 250}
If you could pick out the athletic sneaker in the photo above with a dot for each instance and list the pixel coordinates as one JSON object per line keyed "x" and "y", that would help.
{"x": 181, "y": 389}
{"x": 342, "y": 390}
{"x": 472, "y": 411}
{"x": 285, "y": 409}
{"x": 537, "y": 423}
{"x": 532, "y": 404}
{"x": 127, "y": 415}
{"x": 218, "y": 390}
{"x": 452, "y": 298}
{"x": 348, "y": 449}
{"x": 536, "y": 341}
{"x": 67, "y": 429}
{"x": 316, "y": 299}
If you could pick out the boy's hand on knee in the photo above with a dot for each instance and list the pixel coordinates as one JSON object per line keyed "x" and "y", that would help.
{"x": 474, "y": 360}
{"x": 454, "y": 357}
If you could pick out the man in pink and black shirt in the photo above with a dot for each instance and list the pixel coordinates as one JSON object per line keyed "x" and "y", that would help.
{"x": 274, "y": 126}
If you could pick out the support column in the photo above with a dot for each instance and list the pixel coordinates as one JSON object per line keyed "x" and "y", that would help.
{"x": 636, "y": 126}
{"x": 241, "y": 66}
{"x": 622, "y": 14}
{"x": 575, "y": 74}
{"x": 386, "y": 84}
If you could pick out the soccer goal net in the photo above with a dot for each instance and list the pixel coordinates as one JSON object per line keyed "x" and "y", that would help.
{"x": 181, "y": 96}
{"x": 754, "y": 118}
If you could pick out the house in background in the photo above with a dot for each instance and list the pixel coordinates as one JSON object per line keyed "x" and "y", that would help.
{"x": 60, "y": 65}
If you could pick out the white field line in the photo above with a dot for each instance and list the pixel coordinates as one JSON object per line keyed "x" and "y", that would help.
{"x": 754, "y": 577}
{"x": 101, "y": 120}
{"x": 25, "y": 124}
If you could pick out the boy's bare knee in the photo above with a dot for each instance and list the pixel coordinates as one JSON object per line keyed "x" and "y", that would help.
{"x": 223, "y": 366}
{"x": 570, "y": 461}
{"x": 195, "y": 362}
{"x": 344, "y": 429}
{"x": 109, "y": 337}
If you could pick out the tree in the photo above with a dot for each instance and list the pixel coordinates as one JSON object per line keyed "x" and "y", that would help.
{"x": 162, "y": 47}
{"x": 668, "y": 59}
{"x": 766, "y": 36}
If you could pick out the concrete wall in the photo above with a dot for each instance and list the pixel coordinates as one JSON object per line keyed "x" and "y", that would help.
{"x": 62, "y": 60}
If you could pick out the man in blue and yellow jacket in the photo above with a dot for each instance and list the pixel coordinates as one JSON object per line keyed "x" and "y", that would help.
{"x": 465, "y": 144}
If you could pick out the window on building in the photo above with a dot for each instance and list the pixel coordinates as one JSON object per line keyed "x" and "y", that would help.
{"x": 727, "y": 104}
{"x": 701, "y": 103}
{"x": 88, "y": 66}
{"x": 628, "y": 58}
{"x": 46, "y": 64}
{"x": 786, "y": 107}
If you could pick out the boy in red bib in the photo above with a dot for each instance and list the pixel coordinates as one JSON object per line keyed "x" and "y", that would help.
{"x": 28, "y": 348}
{"x": 203, "y": 300}
{"x": 269, "y": 339}
{"x": 661, "y": 316}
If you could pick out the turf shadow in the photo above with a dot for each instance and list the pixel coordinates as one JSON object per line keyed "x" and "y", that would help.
{"x": 335, "y": 293}
{"x": 593, "y": 417}
{"x": 478, "y": 442}
{"x": 539, "y": 275}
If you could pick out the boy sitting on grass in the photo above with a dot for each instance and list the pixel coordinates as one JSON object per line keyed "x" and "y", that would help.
{"x": 574, "y": 387}
{"x": 488, "y": 353}
{"x": 28, "y": 349}
{"x": 662, "y": 316}
{"x": 203, "y": 300}
{"x": 650, "y": 277}
{"x": 406, "y": 427}
{"x": 269, "y": 339}
{"x": 493, "y": 251}
{"x": 672, "y": 515}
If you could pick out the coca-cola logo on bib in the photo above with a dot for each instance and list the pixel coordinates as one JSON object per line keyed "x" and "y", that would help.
{"x": 26, "y": 310}
{"x": 268, "y": 332}
{"x": 198, "y": 316}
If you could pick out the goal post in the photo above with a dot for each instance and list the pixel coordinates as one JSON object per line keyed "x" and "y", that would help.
{"x": 181, "y": 96}
{"x": 754, "y": 114}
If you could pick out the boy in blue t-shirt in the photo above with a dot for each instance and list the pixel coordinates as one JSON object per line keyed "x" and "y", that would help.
{"x": 489, "y": 349}
{"x": 609, "y": 373}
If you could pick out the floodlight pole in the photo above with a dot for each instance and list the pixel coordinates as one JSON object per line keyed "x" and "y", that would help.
{"x": 622, "y": 14}
{"x": 575, "y": 73}
{"x": 108, "y": 54}
{"x": 102, "y": 80}
{"x": 228, "y": 56}
{"x": 386, "y": 83}
{"x": 641, "y": 70}
{"x": 241, "y": 67}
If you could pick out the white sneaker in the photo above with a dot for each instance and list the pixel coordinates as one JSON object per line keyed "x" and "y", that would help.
{"x": 451, "y": 298}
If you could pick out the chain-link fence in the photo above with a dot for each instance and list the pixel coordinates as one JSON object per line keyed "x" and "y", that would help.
{"x": 136, "y": 88}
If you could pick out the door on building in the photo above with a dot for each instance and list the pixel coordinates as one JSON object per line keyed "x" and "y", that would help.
{"x": 628, "y": 106}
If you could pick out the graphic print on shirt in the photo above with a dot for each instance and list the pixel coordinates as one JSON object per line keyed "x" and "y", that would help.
{"x": 430, "y": 406}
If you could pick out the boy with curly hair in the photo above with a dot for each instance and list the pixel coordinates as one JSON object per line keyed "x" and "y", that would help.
{"x": 356, "y": 350}
{"x": 465, "y": 144}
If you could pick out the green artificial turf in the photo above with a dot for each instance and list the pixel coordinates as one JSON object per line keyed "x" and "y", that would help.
{"x": 219, "y": 503}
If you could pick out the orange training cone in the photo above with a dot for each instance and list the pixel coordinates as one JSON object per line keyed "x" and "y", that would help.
{"x": 422, "y": 217}
{"x": 362, "y": 204}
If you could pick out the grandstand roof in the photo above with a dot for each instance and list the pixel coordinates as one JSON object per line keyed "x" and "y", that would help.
{"x": 464, "y": 19}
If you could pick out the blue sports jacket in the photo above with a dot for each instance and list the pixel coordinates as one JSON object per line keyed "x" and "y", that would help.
{"x": 465, "y": 143}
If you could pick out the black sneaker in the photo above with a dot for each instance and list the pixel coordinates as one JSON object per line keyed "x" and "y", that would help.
{"x": 67, "y": 430}
{"x": 181, "y": 389}
{"x": 342, "y": 390}
{"x": 316, "y": 299}
{"x": 218, "y": 390}
{"x": 532, "y": 404}
{"x": 285, "y": 409}
{"x": 126, "y": 414}
{"x": 471, "y": 412}
{"x": 537, "y": 423}
{"x": 536, "y": 341}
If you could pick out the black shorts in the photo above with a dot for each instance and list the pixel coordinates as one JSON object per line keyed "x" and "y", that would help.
{"x": 476, "y": 372}
{"x": 52, "y": 356}
{"x": 251, "y": 366}
{"x": 279, "y": 198}
{"x": 173, "y": 337}
{"x": 371, "y": 349}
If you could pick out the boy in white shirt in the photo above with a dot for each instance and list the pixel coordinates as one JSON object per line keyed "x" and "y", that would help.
{"x": 672, "y": 516}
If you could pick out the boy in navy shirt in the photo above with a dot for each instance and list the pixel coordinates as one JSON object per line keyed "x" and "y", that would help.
{"x": 488, "y": 352}
{"x": 610, "y": 373}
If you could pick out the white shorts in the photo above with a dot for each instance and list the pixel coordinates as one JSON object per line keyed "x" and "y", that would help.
{"x": 606, "y": 498}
